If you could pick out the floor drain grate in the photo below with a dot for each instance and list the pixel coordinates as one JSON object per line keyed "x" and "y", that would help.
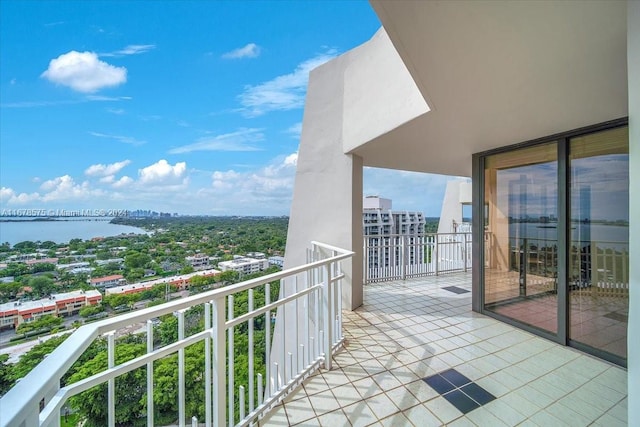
{"x": 459, "y": 390}
{"x": 455, "y": 290}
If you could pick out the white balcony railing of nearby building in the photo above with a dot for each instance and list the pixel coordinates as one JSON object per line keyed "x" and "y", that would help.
{"x": 228, "y": 399}
{"x": 398, "y": 257}
{"x": 600, "y": 265}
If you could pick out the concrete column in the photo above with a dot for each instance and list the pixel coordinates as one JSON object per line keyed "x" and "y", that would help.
{"x": 633, "y": 332}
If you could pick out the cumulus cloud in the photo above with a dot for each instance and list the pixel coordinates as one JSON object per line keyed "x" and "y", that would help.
{"x": 132, "y": 49}
{"x": 122, "y": 182}
{"x": 124, "y": 139}
{"x": 251, "y": 50}
{"x": 84, "y": 72}
{"x": 266, "y": 191}
{"x": 162, "y": 172}
{"x": 291, "y": 160}
{"x": 65, "y": 188}
{"x": 410, "y": 191}
{"x": 243, "y": 139}
{"x": 284, "y": 92}
{"x": 9, "y": 196}
{"x": 105, "y": 170}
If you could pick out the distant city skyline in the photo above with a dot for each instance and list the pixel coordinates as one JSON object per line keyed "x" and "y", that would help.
{"x": 196, "y": 109}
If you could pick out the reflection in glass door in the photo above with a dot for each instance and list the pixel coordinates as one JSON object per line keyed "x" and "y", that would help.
{"x": 521, "y": 239}
{"x": 598, "y": 282}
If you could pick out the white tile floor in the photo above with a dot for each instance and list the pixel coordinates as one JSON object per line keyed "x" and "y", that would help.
{"x": 409, "y": 330}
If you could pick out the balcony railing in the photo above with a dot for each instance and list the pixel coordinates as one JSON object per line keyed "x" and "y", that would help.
{"x": 229, "y": 396}
{"x": 397, "y": 257}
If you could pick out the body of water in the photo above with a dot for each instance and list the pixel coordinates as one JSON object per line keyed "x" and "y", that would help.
{"x": 62, "y": 230}
{"x": 605, "y": 235}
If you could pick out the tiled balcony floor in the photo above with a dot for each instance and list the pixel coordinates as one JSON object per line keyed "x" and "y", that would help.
{"x": 410, "y": 330}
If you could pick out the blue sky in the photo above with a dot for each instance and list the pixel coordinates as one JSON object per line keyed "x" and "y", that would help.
{"x": 185, "y": 106}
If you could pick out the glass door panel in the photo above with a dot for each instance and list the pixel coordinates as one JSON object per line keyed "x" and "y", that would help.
{"x": 520, "y": 251}
{"x": 598, "y": 282}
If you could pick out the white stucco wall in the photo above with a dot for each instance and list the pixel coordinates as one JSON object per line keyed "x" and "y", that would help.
{"x": 457, "y": 193}
{"x": 379, "y": 93}
{"x": 327, "y": 196}
{"x": 350, "y": 100}
{"x": 633, "y": 337}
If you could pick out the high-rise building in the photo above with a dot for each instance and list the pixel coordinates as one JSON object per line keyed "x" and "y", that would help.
{"x": 392, "y": 238}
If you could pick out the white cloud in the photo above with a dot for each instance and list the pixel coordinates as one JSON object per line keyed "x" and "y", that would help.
{"x": 251, "y": 50}
{"x": 241, "y": 140}
{"x": 162, "y": 172}
{"x": 291, "y": 160}
{"x": 105, "y": 170}
{"x": 266, "y": 191}
{"x": 132, "y": 49}
{"x": 124, "y": 139}
{"x": 284, "y": 92}
{"x": 117, "y": 111}
{"x": 6, "y": 193}
{"x": 122, "y": 182}
{"x": 412, "y": 191}
{"x": 225, "y": 180}
{"x": 247, "y": 190}
{"x": 9, "y": 196}
{"x": 84, "y": 72}
{"x": 65, "y": 188}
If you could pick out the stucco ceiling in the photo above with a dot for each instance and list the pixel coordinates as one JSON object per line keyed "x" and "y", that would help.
{"x": 498, "y": 73}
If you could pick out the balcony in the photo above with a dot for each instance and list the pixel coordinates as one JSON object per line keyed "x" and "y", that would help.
{"x": 413, "y": 329}
{"x": 365, "y": 367}
{"x": 206, "y": 368}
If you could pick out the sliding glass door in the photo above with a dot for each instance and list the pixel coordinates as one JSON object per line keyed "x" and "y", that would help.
{"x": 555, "y": 257}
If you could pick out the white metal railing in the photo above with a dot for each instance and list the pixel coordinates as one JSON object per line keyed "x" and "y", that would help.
{"x": 402, "y": 256}
{"x": 38, "y": 398}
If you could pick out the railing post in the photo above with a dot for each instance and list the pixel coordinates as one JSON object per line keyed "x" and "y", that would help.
{"x": 181, "y": 385}
{"x": 207, "y": 367}
{"x": 403, "y": 254}
{"x": 523, "y": 268}
{"x": 251, "y": 351}
{"x": 435, "y": 253}
{"x": 464, "y": 251}
{"x": 111, "y": 394}
{"x": 219, "y": 363}
{"x": 150, "y": 408}
{"x": 327, "y": 317}
{"x": 231, "y": 364}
